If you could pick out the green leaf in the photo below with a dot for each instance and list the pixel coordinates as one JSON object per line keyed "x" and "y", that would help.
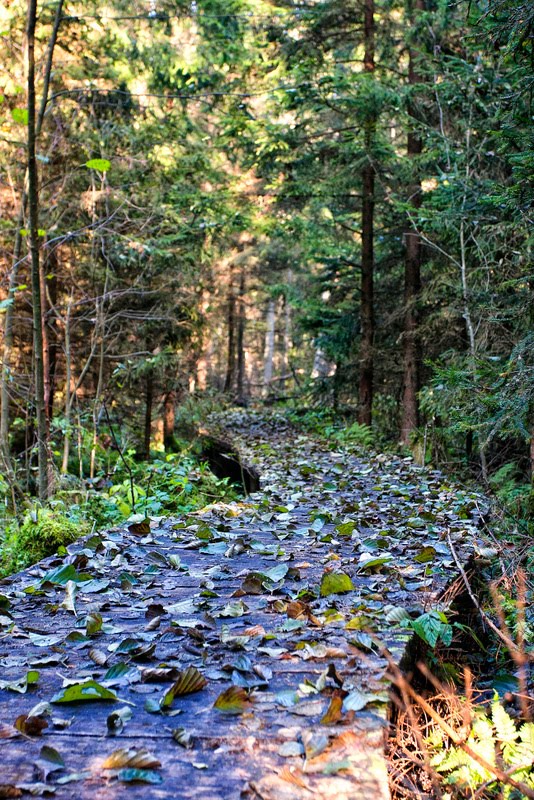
{"x": 63, "y": 574}
{"x": 139, "y": 776}
{"x": 81, "y": 692}
{"x": 432, "y": 626}
{"x": 335, "y": 583}
{"x": 100, "y": 164}
{"x": 93, "y": 623}
{"x": 21, "y": 684}
{"x": 20, "y": 115}
{"x": 345, "y": 528}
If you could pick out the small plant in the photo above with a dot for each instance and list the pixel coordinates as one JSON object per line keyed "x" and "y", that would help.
{"x": 39, "y": 538}
{"x": 495, "y": 739}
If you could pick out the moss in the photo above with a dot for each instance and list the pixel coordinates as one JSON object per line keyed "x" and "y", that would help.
{"x": 36, "y": 540}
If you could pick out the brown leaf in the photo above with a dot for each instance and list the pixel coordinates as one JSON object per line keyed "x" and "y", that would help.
{"x": 7, "y": 732}
{"x": 333, "y": 712}
{"x": 294, "y": 776}
{"x": 8, "y": 790}
{"x": 233, "y": 701}
{"x": 256, "y": 630}
{"x": 140, "y": 528}
{"x": 188, "y": 682}
{"x": 134, "y": 759}
{"x": 31, "y": 726}
{"x": 159, "y": 674}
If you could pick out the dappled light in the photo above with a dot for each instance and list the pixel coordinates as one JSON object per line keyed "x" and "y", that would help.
{"x": 266, "y": 399}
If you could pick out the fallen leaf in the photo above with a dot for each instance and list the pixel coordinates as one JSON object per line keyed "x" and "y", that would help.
{"x": 233, "y": 701}
{"x": 88, "y": 690}
{"x": 333, "y": 712}
{"x": 188, "y": 682}
{"x": 30, "y": 726}
{"x": 335, "y": 583}
{"x": 129, "y": 757}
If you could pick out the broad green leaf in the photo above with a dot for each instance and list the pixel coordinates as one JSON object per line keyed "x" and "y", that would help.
{"x": 63, "y": 574}
{"x": 100, "y": 164}
{"x": 335, "y": 583}
{"x": 87, "y": 691}
{"x": 20, "y": 115}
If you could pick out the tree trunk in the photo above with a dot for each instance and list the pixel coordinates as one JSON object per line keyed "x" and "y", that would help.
{"x": 365, "y": 408}
{"x": 33, "y": 206}
{"x": 7, "y": 350}
{"x": 149, "y": 402}
{"x": 268, "y": 356}
{"x": 286, "y": 343}
{"x": 240, "y": 344}
{"x": 231, "y": 317}
{"x": 411, "y": 348}
{"x": 168, "y": 419}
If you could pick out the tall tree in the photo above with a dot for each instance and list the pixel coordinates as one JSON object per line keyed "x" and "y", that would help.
{"x": 367, "y": 311}
{"x": 411, "y": 347}
{"x": 37, "y": 313}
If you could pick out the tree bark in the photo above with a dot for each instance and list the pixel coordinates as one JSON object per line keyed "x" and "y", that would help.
{"x": 231, "y": 318}
{"x": 149, "y": 402}
{"x": 268, "y": 356}
{"x": 33, "y": 208}
{"x": 411, "y": 346}
{"x": 240, "y": 344}
{"x": 365, "y": 403}
{"x": 7, "y": 351}
{"x": 168, "y": 419}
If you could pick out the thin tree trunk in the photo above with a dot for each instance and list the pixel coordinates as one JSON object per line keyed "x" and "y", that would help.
{"x": 268, "y": 355}
{"x": 169, "y": 419}
{"x": 367, "y": 324}
{"x": 7, "y": 352}
{"x": 68, "y": 401}
{"x": 231, "y": 317}
{"x": 240, "y": 344}
{"x": 411, "y": 347}
{"x": 33, "y": 207}
{"x": 149, "y": 401}
{"x": 286, "y": 343}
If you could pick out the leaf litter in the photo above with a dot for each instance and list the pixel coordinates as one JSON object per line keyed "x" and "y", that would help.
{"x": 263, "y": 613}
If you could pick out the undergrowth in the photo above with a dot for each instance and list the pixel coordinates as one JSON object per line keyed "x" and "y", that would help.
{"x": 463, "y": 721}
{"x": 125, "y": 489}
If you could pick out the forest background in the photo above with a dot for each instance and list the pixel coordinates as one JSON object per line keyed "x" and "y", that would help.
{"x": 327, "y": 205}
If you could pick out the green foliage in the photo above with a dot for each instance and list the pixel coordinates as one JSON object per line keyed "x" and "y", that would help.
{"x": 498, "y": 739}
{"x": 35, "y": 540}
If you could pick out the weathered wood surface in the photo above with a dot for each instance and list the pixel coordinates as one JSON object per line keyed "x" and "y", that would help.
{"x": 200, "y": 612}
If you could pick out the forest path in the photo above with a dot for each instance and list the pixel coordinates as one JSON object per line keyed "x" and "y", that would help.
{"x": 137, "y": 633}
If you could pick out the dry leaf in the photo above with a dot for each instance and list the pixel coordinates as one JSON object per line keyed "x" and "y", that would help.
{"x": 136, "y": 759}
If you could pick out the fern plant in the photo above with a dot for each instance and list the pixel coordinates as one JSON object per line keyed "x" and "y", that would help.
{"x": 499, "y": 741}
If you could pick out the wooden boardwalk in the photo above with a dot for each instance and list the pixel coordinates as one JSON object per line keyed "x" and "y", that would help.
{"x": 152, "y": 627}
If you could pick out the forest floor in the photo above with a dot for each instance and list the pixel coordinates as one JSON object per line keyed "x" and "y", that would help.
{"x": 237, "y": 652}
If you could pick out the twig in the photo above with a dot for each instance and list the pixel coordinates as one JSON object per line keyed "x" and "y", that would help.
{"x": 117, "y": 445}
{"x": 510, "y": 644}
{"x": 405, "y": 688}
